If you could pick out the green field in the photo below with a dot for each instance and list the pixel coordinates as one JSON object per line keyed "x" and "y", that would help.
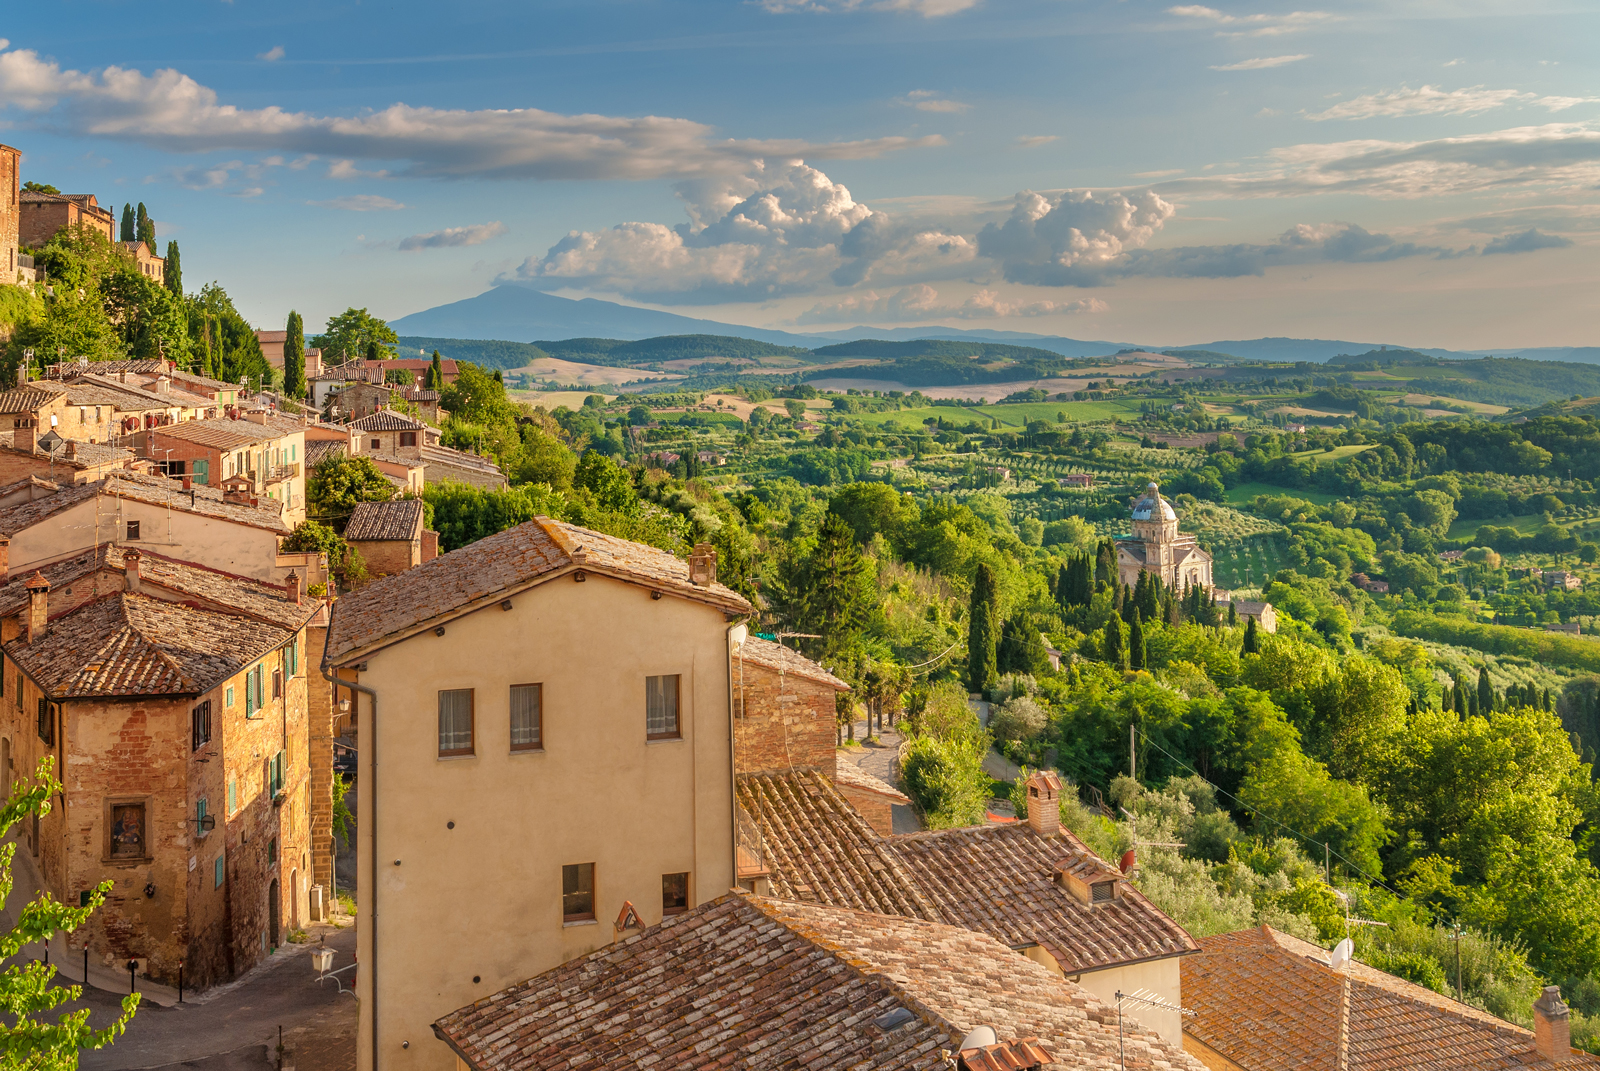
{"x": 1241, "y": 495}
{"x": 1338, "y": 453}
{"x": 1466, "y": 529}
{"x": 1010, "y": 416}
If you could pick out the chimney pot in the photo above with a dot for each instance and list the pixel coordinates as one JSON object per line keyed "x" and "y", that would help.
{"x": 1552, "y": 1027}
{"x": 188, "y": 482}
{"x": 1044, "y": 802}
{"x": 38, "y": 606}
{"x": 291, "y": 586}
{"x": 703, "y": 565}
{"x": 130, "y": 569}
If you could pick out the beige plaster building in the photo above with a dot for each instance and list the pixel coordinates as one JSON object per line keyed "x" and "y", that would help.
{"x": 1157, "y": 547}
{"x": 545, "y": 741}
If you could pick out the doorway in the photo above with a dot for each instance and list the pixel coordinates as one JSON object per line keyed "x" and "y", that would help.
{"x": 273, "y": 914}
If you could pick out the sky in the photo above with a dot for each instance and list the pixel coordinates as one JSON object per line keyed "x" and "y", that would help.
{"x": 1414, "y": 172}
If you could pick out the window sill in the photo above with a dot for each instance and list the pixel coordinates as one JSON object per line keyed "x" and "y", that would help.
{"x": 462, "y": 755}
{"x": 663, "y": 739}
{"x": 527, "y": 751}
{"x": 580, "y": 922}
{"x": 127, "y": 860}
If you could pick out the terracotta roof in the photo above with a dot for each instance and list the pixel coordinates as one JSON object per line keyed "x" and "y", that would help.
{"x": 495, "y": 567}
{"x": 99, "y": 390}
{"x": 223, "y": 433}
{"x": 320, "y": 450}
{"x": 848, "y": 773}
{"x": 129, "y": 645}
{"x": 1000, "y": 879}
{"x": 819, "y": 849}
{"x": 136, "y": 486}
{"x": 396, "y": 459}
{"x": 1359, "y": 1018}
{"x": 775, "y": 656}
{"x": 148, "y": 367}
{"x": 387, "y": 420}
{"x": 746, "y": 981}
{"x": 23, "y": 515}
{"x": 85, "y": 455}
{"x": 25, "y": 399}
{"x": 399, "y": 518}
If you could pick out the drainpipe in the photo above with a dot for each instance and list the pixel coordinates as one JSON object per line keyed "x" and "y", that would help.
{"x": 372, "y": 833}
{"x": 733, "y": 773}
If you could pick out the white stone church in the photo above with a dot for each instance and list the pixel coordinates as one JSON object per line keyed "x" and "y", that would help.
{"x": 1157, "y": 546}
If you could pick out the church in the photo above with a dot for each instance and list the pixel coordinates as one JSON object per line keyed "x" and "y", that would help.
{"x": 1156, "y": 546}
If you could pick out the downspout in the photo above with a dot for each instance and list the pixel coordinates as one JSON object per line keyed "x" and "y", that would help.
{"x": 733, "y": 774}
{"x": 372, "y": 833}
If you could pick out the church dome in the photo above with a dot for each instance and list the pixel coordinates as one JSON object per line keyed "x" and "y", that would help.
{"x": 1152, "y": 507}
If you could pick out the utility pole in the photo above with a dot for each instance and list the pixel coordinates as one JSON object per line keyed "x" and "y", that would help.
{"x": 1458, "y": 961}
{"x": 1133, "y": 760}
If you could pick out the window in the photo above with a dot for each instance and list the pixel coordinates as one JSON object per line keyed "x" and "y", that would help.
{"x": 373, "y": 444}
{"x": 133, "y": 531}
{"x": 277, "y": 684}
{"x": 275, "y": 773}
{"x": 19, "y": 691}
{"x": 408, "y": 438}
{"x": 252, "y": 693}
{"x": 127, "y": 831}
{"x": 227, "y": 698}
{"x": 293, "y": 657}
{"x": 661, "y": 707}
{"x": 577, "y": 892}
{"x": 202, "y": 471}
{"x": 233, "y": 795}
{"x": 527, "y": 717}
{"x": 1102, "y": 892}
{"x": 674, "y": 894}
{"x": 201, "y": 806}
{"x": 455, "y": 722}
{"x": 200, "y": 725}
{"x": 218, "y": 873}
{"x": 272, "y": 852}
{"x": 47, "y": 723}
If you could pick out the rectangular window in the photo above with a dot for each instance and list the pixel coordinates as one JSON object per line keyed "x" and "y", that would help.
{"x": 272, "y": 852}
{"x": 277, "y": 684}
{"x": 200, "y": 725}
{"x": 294, "y": 657}
{"x": 127, "y": 831}
{"x": 227, "y": 698}
{"x": 218, "y": 873}
{"x": 19, "y": 691}
{"x": 133, "y": 531}
{"x": 275, "y": 773}
{"x": 408, "y": 438}
{"x": 674, "y": 894}
{"x": 47, "y": 723}
{"x": 373, "y": 444}
{"x": 577, "y": 892}
{"x": 252, "y": 692}
{"x": 233, "y": 795}
{"x": 527, "y": 717}
{"x": 455, "y": 721}
{"x": 661, "y": 707}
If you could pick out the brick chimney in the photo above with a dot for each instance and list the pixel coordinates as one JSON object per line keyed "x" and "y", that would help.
{"x": 291, "y": 587}
{"x": 72, "y": 450}
{"x": 1044, "y": 802}
{"x": 703, "y": 565}
{"x": 39, "y": 612}
{"x": 1552, "y": 1028}
{"x": 130, "y": 570}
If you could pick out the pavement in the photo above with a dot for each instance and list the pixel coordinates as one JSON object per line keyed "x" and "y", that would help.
{"x": 882, "y": 760}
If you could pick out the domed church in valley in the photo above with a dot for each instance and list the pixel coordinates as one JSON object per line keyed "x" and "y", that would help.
{"x": 1156, "y": 546}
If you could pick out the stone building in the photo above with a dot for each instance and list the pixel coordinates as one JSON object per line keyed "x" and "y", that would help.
{"x": 266, "y": 450}
{"x": 390, "y": 434}
{"x": 272, "y": 349}
{"x": 1157, "y": 547}
{"x": 44, "y": 215}
{"x": 360, "y": 400}
{"x": 174, "y": 708}
{"x": 390, "y": 536}
{"x": 144, "y": 258}
{"x": 10, "y": 210}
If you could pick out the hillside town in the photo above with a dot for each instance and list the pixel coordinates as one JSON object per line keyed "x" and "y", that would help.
{"x": 723, "y": 721}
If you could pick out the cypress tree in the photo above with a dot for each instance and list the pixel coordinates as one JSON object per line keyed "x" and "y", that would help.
{"x": 1136, "y": 650}
{"x": 172, "y": 275}
{"x": 1252, "y": 642}
{"x": 1233, "y": 614}
{"x": 144, "y": 229}
{"x": 373, "y": 353}
{"x": 294, "y": 357}
{"x": 435, "y": 380}
{"x": 1485, "y": 691}
{"x": 983, "y": 626}
{"x": 1116, "y": 652}
{"x": 1105, "y": 564}
{"x": 1083, "y": 589}
{"x": 126, "y": 232}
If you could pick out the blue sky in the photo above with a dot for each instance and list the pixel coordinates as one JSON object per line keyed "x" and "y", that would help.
{"x": 1423, "y": 173}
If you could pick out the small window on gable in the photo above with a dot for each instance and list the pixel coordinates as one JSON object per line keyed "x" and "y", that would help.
{"x": 674, "y": 894}
{"x": 1102, "y": 892}
{"x": 661, "y": 707}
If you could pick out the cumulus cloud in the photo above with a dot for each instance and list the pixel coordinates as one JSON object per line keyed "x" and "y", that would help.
{"x": 1552, "y": 155}
{"x": 1432, "y": 101}
{"x": 922, "y": 303}
{"x": 1259, "y": 25}
{"x": 1261, "y": 63}
{"x": 271, "y": 55}
{"x": 171, "y": 111}
{"x": 361, "y": 202}
{"x": 1070, "y": 238}
{"x": 1526, "y": 242}
{"x": 450, "y": 237}
{"x": 926, "y": 100}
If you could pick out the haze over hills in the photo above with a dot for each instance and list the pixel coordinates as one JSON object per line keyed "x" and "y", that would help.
{"x": 521, "y": 314}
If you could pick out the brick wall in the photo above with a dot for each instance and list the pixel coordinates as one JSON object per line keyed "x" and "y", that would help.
{"x": 10, "y": 163}
{"x": 320, "y": 719}
{"x": 385, "y": 557}
{"x": 877, "y": 810}
{"x": 783, "y": 722}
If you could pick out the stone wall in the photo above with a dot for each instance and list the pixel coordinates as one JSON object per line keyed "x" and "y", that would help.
{"x": 10, "y": 178}
{"x": 877, "y": 809}
{"x": 385, "y": 557}
{"x": 781, "y": 722}
{"x": 320, "y": 719}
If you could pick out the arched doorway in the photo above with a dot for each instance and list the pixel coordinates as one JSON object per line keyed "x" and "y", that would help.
{"x": 273, "y": 915}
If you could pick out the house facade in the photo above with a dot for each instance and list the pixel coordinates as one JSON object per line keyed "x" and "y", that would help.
{"x": 265, "y": 450}
{"x": 497, "y": 690}
{"x": 390, "y": 536}
{"x": 42, "y": 216}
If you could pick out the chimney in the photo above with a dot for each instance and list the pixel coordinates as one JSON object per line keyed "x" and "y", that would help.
{"x": 72, "y": 450}
{"x": 39, "y": 618}
{"x": 703, "y": 565}
{"x": 1552, "y": 1028}
{"x": 23, "y": 438}
{"x": 1044, "y": 802}
{"x": 130, "y": 569}
{"x": 5, "y": 559}
{"x": 291, "y": 587}
{"x": 188, "y": 482}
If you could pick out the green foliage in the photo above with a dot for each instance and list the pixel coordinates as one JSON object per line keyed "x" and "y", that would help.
{"x": 294, "y": 357}
{"x": 476, "y": 397}
{"x": 351, "y": 334}
{"x": 339, "y": 483}
{"x": 172, "y": 273}
{"x": 983, "y": 629}
{"x": 344, "y": 561}
{"x": 1546, "y": 647}
{"x": 463, "y": 514}
{"x": 343, "y": 821}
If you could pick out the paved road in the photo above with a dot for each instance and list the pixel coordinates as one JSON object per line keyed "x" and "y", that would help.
{"x": 881, "y": 761}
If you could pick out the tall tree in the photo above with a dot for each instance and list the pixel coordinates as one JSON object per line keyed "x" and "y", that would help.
{"x": 348, "y": 333}
{"x": 374, "y": 352}
{"x": 1252, "y": 642}
{"x": 837, "y": 603}
{"x": 435, "y": 380}
{"x": 1136, "y": 649}
{"x": 1485, "y": 691}
{"x": 144, "y": 228}
{"x": 983, "y": 629}
{"x": 127, "y": 233}
{"x": 1116, "y": 648}
{"x": 172, "y": 275}
{"x": 294, "y": 357}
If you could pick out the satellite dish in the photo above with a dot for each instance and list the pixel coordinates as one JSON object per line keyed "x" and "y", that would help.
{"x": 980, "y": 1036}
{"x": 1341, "y": 954}
{"x": 1128, "y": 860}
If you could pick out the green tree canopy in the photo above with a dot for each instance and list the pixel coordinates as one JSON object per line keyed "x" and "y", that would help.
{"x": 348, "y": 335}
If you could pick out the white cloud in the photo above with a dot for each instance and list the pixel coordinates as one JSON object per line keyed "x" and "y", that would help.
{"x": 1069, "y": 238}
{"x": 928, "y": 9}
{"x": 1033, "y": 141}
{"x": 1432, "y": 101}
{"x": 450, "y": 237}
{"x": 921, "y": 303}
{"x": 361, "y": 202}
{"x": 1259, "y": 25}
{"x": 1454, "y": 62}
{"x": 1262, "y": 63}
{"x": 171, "y": 111}
{"x": 347, "y": 169}
{"x": 271, "y": 55}
{"x": 927, "y": 100}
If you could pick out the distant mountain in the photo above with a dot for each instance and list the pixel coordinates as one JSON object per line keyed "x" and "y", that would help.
{"x": 523, "y": 315}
